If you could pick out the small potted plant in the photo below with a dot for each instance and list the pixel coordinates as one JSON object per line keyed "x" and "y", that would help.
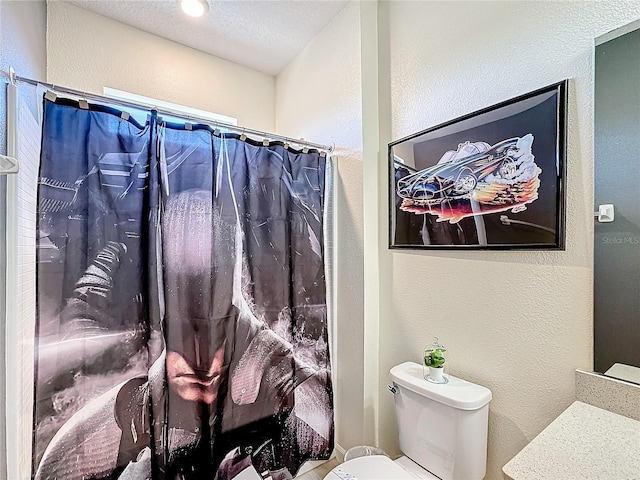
{"x": 434, "y": 359}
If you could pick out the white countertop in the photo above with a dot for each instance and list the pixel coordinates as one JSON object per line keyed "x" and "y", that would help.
{"x": 583, "y": 443}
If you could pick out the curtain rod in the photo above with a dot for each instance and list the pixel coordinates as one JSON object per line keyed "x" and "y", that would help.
{"x": 242, "y": 130}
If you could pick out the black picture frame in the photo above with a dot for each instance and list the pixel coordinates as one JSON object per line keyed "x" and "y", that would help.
{"x": 490, "y": 180}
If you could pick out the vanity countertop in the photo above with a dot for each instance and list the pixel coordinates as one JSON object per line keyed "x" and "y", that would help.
{"x": 585, "y": 443}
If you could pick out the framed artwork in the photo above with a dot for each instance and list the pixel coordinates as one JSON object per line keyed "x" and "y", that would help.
{"x": 493, "y": 179}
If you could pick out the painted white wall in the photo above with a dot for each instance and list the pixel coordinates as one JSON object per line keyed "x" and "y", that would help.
{"x": 318, "y": 97}
{"x": 23, "y": 47}
{"x": 519, "y": 323}
{"x": 87, "y": 52}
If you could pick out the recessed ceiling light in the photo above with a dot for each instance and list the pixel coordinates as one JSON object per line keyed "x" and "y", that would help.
{"x": 194, "y": 8}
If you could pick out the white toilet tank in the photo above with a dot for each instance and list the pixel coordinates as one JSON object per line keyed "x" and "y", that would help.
{"x": 442, "y": 427}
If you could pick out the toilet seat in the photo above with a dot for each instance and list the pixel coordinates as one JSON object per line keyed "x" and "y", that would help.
{"x": 373, "y": 467}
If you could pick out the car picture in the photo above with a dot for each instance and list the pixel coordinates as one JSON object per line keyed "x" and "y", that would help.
{"x": 458, "y": 178}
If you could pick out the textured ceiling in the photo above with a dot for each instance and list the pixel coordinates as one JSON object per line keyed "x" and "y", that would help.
{"x": 264, "y": 35}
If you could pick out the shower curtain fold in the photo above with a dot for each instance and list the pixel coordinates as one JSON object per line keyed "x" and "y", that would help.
{"x": 182, "y": 318}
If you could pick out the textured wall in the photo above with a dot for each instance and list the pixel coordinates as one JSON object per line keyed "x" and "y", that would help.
{"x": 87, "y": 52}
{"x": 516, "y": 322}
{"x": 318, "y": 97}
{"x": 23, "y": 47}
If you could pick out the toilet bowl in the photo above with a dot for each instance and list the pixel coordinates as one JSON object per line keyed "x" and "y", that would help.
{"x": 442, "y": 431}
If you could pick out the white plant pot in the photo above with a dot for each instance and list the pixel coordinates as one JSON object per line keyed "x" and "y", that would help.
{"x": 436, "y": 375}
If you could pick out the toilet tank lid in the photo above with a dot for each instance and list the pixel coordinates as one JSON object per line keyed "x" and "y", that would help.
{"x": 457, "y": 393}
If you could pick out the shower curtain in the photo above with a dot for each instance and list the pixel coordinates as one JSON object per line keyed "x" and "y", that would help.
{"x": 182, "y": 318}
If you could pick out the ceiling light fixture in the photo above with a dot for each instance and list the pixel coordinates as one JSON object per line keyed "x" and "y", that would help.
{"x": 194, "y": 8}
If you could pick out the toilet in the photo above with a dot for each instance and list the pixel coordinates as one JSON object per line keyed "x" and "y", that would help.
{"x": 442, "y": 430}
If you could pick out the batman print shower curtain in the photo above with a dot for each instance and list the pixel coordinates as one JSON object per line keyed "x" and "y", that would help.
{"x": 182, "y": 318}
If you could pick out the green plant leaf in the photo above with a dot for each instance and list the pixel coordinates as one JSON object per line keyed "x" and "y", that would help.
{"x": 433, "y": 357}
